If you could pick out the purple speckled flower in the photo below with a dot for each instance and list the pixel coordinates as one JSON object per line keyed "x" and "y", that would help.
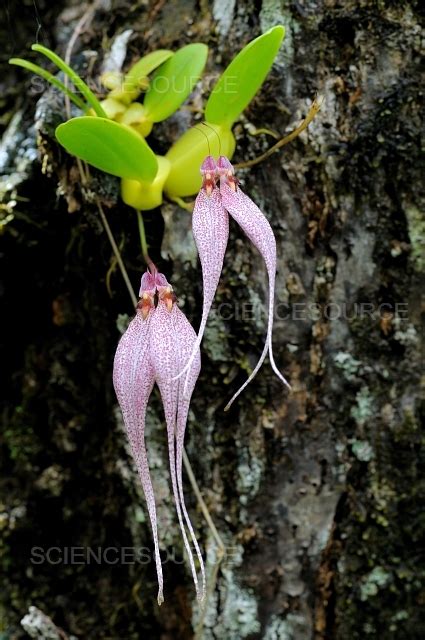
{"x": 211, "y": 231}
{"x": 155, "y": 347}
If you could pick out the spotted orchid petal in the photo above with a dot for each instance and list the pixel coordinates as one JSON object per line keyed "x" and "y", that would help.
{"x": 133, "y": 379}
{"x": 257, "y": 228}
{"x": 210, "y": 226}
{"x": 172, "y": 340}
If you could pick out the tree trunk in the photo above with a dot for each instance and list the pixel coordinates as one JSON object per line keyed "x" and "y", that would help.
{"x": 316, "y": 493}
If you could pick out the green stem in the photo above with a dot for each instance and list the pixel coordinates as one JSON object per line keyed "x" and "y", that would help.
{"x": 74, "y": 77}
{"x": 34, "y": 68}
{"x": 143, "y": 242}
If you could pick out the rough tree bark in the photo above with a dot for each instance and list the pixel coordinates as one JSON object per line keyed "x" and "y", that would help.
{"x": 316, "y": 494}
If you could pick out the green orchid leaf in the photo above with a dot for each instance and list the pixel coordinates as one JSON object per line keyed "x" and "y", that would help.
{"x": 107, "y": 145}
{"x": 74, "y": 77}
{"x": 239, "y": 83}
{"x": 174, "y": 80}
{"x": 136, "y": 77}
{"x": 136, "y": 80}
{"x": 34, "y": 68}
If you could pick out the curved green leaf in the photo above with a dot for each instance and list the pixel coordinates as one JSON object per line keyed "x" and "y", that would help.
{"x": 174, "y": 80}
{"x": 74, "y": 77}
{"x": 239, "y": 83}
{"x": 136, "y": 79}
{"x": 145, "y": 66}
{"x": 20, "y": 62}
{"x": 107, "y": 145}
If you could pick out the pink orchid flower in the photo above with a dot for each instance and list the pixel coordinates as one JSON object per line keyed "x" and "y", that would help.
{"x": 211, "y": 231}
{"x": 158, "y": 342}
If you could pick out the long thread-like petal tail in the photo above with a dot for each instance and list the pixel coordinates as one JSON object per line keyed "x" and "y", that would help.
{"x": 133, "y": 381}
{"x": 186, "y": 344}
{"x": 164, "y": 358}
{"x": 256, "y": 226}
{"x": 210, "y": 225}
{"x": 250, "y": 378}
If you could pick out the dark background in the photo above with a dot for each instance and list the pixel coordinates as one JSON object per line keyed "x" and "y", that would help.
{"x": 317, "y": 495}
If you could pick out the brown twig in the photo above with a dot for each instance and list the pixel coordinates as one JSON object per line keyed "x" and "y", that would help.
{"x": 314, "y": 109}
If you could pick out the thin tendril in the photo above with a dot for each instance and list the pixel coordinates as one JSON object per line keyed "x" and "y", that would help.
{"x": 40, "y": 28}
{"x": 216, "y": 133}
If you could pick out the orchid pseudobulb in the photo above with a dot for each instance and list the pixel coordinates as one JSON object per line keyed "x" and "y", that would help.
{"x": 211, "y": 230}
{"x": 156, "y": 345}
